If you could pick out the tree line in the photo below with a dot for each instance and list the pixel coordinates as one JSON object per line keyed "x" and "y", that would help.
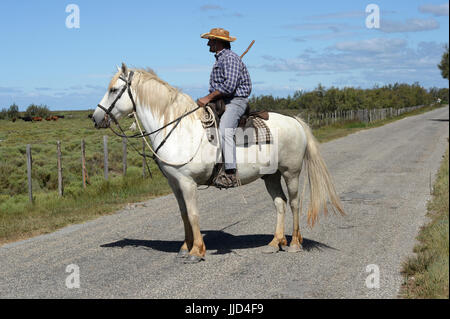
{"x": 319, "y": 100}
{"x": 322, "y": 100}
{"x": 33, "y": 110}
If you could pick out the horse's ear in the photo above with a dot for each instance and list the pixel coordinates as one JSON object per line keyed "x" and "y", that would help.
{"x": 124, "y": 69}
{"x": 118, "y": 68}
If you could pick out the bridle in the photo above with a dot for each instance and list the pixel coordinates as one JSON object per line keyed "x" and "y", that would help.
{"x": 127, "y": 87}
{"x": 143, "y": 134}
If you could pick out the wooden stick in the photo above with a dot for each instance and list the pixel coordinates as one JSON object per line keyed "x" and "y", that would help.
{"x": 83, "y": 162}
{"x": 143, "y": 158}
{"x": 60, "y": 181}
{"x": 29, "y": 163}
{"x": 251, "y": 44}
{"x": 124, "y": 156}
{"x": 105, "y": 155}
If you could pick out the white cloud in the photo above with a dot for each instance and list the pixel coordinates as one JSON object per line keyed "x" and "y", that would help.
{"x": 9, "y": 90}
{"x": 335, "y": 27}
{"x": 436, "y": 10}
{"x": 185, "y": 68}
{"x": 95, "y": 87}
{"x": 376, "y": 45}
{"x": 210, "y": 7}
{"x": 411, "y": 25}
{"x": 338, "y": 15}
{"x": 367, "y": 60}
{"x": 357, "y": 14}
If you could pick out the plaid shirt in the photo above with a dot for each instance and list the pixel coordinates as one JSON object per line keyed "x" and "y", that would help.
{"x": 229, "y": 75}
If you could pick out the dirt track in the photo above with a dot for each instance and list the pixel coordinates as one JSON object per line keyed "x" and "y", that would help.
{"x": 382, "y": 176}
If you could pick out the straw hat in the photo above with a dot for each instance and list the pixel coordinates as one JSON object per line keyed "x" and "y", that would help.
{"x": 218, "y": 33}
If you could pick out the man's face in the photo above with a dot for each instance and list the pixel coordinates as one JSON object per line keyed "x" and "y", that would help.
{"x": 215, "y": 45}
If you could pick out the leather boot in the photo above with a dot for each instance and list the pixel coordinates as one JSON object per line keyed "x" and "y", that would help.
{"x": 226, "y": 180}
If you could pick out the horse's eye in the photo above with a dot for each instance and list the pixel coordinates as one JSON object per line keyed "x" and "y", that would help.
{"x": 113, "y": 90}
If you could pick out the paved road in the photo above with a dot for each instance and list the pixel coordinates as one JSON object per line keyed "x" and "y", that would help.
{"x": 382, "y": 175}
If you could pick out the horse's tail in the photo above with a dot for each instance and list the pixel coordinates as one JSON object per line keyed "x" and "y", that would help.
{"x": 320, "y": 183}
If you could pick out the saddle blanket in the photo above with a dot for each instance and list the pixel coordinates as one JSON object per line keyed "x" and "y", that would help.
{"x": 255, "y": 131}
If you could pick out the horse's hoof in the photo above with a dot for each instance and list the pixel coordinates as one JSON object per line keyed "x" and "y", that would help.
{"x": 284, "y": 247}
{"x": 183, "y": 253}
{"x": 192, "y": 259}
{"x": 294, "y": 249}
{"x": 269, "y": 249}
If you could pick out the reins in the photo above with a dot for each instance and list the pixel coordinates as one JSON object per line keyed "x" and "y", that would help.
{"x": 143, "y": 134}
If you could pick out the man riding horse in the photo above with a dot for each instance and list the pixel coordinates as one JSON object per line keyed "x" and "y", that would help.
{"x": 231, "y": 82}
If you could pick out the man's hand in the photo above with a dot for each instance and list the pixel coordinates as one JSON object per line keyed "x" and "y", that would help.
{"x": 202, "y": 102}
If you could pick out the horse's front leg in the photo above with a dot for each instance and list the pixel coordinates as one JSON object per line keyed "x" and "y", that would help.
{"x": 189, "y": 193}
{"x": 188, "y": 236}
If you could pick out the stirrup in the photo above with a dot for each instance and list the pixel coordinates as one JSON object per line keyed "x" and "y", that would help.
{"x": 224, "y": 180}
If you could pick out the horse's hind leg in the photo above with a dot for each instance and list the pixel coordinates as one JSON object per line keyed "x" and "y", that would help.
{"x": 292, "y": 182}
{"x": 273, "y": 185}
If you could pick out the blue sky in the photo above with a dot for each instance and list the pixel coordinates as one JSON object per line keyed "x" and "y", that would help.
{"x": 299, "y": 44}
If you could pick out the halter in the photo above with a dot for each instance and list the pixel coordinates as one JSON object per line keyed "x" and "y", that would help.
{"x": 127, "y": 87}
{"x": 142, "y": 134}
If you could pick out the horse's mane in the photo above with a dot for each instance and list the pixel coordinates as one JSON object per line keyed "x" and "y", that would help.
{"x": 163, "y": 99}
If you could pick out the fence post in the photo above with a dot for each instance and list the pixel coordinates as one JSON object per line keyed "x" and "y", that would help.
{"x": 124, "y": 155}
{"x": 105, "y": 155}
{"x": 143, "y": 158}
{"x": 29, "y": 164}
{"x": 83, "y": 162}
{"x": 60, "y": 181}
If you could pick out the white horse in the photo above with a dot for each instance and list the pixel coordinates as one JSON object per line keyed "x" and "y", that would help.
{"x": 187, "y": 158}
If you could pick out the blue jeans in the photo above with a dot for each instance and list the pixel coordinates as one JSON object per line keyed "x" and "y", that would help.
{"x": 229, "y": 121}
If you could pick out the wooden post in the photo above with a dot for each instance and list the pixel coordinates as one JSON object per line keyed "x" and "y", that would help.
{"x": 29, "y": 164}
{"x": 83, "y": 162}
{"x": 143, "y": 158}
{"x": 124, "y": 155}
{"x": 60, "y": 181}
{"x": 105, "y": 155}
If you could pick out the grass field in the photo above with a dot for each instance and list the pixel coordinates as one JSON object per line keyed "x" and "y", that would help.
{"x": 426, "y": 274}
{"x": 19, "y": 219}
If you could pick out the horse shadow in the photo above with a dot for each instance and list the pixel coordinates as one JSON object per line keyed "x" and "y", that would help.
{"x": 439, "y": 120}
{"x": 218, "y": 240}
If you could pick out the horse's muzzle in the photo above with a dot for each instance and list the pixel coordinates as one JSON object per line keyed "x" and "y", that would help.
{"x": 104, "y": 123}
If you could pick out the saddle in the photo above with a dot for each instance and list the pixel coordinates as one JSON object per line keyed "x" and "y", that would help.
{"x": 254, "y": 131}
{"x": 252, "y": 123}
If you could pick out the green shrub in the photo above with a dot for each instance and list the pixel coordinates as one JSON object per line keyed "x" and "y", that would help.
{"x": 11, "y": 113}
{"x": 37, "y": 110}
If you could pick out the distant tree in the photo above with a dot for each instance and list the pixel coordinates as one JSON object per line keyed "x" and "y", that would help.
{"x": 13, "y": 111}
{"x": 37, "y": 110}
{"x": 443, "y": 66}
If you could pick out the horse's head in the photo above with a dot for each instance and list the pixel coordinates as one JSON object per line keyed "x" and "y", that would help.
{"x": 117, "y": 101}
